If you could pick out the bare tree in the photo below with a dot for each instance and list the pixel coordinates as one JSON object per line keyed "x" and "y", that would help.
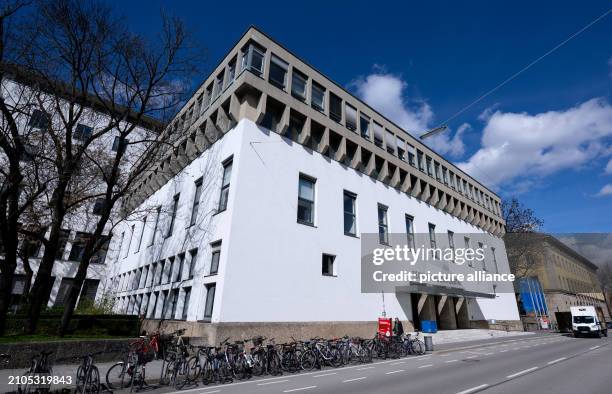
{"x": 523, "y": 242}
{"x": 520, "y": 219}
{"x": 88, "y": 68}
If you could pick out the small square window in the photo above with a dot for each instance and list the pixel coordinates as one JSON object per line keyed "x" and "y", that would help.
{"x": 82, "y": 132}
{"x": 328, "y": 266}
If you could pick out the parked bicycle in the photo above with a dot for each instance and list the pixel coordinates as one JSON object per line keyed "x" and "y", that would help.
{"x": 131, "y": 372}
{"x": 88, "y": 375}
{"x": 37, "y": 379}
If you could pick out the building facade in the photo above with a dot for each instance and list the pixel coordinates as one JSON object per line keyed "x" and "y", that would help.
{"x": 81, "y": 219}
{"x": 564, "y": 278}
{"x": 253, "y": 221}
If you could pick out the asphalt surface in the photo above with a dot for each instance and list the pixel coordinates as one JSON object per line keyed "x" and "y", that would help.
{"x": 541, "y": 364}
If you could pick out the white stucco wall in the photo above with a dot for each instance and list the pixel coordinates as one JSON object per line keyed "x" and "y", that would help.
{"x": 270, "y": 266}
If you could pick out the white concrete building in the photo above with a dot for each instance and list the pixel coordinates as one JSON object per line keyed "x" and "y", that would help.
{"x": 253, "y": 222}
{"x": 19, "y": 88}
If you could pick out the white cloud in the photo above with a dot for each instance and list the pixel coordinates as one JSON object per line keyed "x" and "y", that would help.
{"x": 608, "y": 169}
{"x": 519, "y": 146}
{"x": 386, "y": 93}
{"x": 606, "y": 190}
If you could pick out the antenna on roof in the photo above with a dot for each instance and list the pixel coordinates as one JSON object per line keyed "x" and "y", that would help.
{"x": 433, "y": 132}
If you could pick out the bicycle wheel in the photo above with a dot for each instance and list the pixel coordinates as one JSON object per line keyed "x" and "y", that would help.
{"x": 80, "y": 379}
{"x": 193, "y": 368}
{"x": 92, "y": 383}
{"x": 418, "y": 347}
{"x": 274, "y": 365}
{"x": 259, "y": 364}
{"x": 119, "y": 376}
{"x": 181, "y": 373}
{"x": 308, "y": 360}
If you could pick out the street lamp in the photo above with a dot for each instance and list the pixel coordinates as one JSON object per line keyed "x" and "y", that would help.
{"x": 433, "y": 132}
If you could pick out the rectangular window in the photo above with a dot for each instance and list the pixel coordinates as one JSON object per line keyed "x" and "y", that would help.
{"x": 278, "y": 72}
{"x": 196, "y": 201}
{"x": 39, "y": 119}
{"x": 119, "y": 144}
{"x": 82, "y": 132}
{"x": 437, "y": 171}
{"x": 181, "y": 267}
{"x": 186, "y": 302}
{"x": 78, "y": 246}
{"x": 298, "y": 84}
{"x": 364, "y": 126}
{"x": 452, "y": 179}
{"x": 411, "y": 155}
{"x": 383, "y": 226}
{"x": 306, "y": 200}
{"x": 157, "y": 214}
{"x": 420, "y": 161}
{"x": 451, "y": 242}
{"x": 378, "y": 134}
{"x": 466, "y": 242}
{"x": 218, "y": 89}
{"x": 98, "y": 206}
{"x": 215, "y": 255}
{"x": 495, "y": 261}
{"x": 171, "y": 270}
{"x": 401, "y": 149}
{"x": 175, "y": 204}
{"x": 429, "y": 167}
{"x": 253, "y": 58}
{"x": 317, "y": 97}
{"x": 350, "y": 213}
{"x": 192, "y": 262}
{"x": 210, "y": 300}
{"x": 162, "y": 272}
{"x": 484, "y": 261}
{"x": 410, "y": 231}
{"x": 144, "y": 226}
{"x": 328, "y": 266}
{"x": 390, "y": 141}
{"x": 350, "y": 114}
{"x": 432, "y": 235}
{"x": 231, "y": 71}
{"x": 335, "y": 107}
{"x": 129, "y": 244}
{"x": 445, "y": 175}
{"x": 225, "y": 185}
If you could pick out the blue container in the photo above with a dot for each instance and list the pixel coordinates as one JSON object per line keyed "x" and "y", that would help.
{"x": 429, "y": 326}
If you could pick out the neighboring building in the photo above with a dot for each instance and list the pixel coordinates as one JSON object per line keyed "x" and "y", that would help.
{"x": 564, "y": 278}
{"x": 81, "y": 220}
{"x": 252, "y": 223}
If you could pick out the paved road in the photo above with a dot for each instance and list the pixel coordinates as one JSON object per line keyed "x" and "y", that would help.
{"x": 543, "y": 364}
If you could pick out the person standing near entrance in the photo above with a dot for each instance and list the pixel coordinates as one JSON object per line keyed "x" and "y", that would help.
{"x": 398, "y": 328}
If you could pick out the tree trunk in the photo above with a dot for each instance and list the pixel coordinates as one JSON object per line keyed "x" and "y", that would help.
{"x": 29, "y": 274}
{"x": 6, "y": 287}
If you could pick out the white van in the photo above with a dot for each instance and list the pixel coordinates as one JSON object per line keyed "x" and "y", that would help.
{"x": 586, "y": 321}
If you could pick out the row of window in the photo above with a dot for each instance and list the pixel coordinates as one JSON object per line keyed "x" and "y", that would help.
{"x": 32, "y": 248}
{"x": 165, "y": 304}
{"x": 198, "y": 184}
{"x": 368, "y": 129}
{"x": 306, "y": 209}
{"x": 40, "y": 119}
{"x": 171, "y": 270}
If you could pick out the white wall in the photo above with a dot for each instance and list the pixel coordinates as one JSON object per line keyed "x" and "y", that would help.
{"x": 270, "y": 267}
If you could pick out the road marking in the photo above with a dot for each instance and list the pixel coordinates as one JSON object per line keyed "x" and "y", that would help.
{"x": 397, "y": 363}
{"x": 451, "y": 361}
{"x": 593, "y": 347}
{"x": 444, "y": 355}
{"x": 426, "y": 366}
{"x": 300, "y": 389}
{"x": 556, "y": 361}
{"x": 354, "y": 379}
{"x": 514, "y": 375}
{"x": 503, "y": 351}
{"x": 398, "y": 371}
{"x": 364, "y": 368}
{"x": 325, "y": 374}
{"x": 210, "y": 392}
{"x": 277, "y": 381}
{"x": 487, "y": 354}
{"x": 471, "y": 357}
{"x": 482, "y": 386}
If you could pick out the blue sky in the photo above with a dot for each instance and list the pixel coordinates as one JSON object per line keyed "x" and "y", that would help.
{"x": 545, "y": 137}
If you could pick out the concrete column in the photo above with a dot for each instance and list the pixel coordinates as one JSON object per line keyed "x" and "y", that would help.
{"x": 463, "y": 319}
{"x": 446, "y": 311}
{"x": 427, "y": 308}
